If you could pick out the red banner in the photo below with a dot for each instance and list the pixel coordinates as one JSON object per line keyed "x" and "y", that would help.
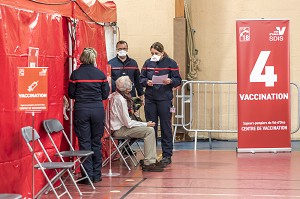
{"x": 33, "y": 89}
{"x": 263, "y": 85}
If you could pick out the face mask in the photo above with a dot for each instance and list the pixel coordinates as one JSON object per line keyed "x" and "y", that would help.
{"x": 122, "y": 53}
{"x": 155, "y": 58}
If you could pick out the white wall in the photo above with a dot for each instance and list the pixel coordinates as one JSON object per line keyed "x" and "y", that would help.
{"x": 141, "y": 23}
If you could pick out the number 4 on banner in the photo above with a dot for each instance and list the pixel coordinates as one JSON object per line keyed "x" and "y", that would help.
{"x": 256, "y": 75}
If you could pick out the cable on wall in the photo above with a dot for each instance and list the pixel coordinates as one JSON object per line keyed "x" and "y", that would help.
{"x": 194, "y": 61}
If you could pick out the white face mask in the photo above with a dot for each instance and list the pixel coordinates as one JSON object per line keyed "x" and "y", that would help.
{"x": 122, "y": 53}
{"x": 155, "y": 58}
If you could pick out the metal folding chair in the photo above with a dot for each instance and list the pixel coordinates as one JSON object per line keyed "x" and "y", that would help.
{"x": 60, "y": 167}
{"x": 53, "y": 126}
{"x": 10, "y": 196}
{"x": 122, "y": 144}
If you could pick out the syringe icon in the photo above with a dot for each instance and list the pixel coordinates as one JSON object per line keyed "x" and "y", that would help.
{"x": 32, "y": 86}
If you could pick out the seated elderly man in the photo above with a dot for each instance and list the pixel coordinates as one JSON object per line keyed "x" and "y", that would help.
{"x": 118, "y": 120}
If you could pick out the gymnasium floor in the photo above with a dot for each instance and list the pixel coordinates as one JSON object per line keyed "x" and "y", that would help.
{"x": 218, "y": 173}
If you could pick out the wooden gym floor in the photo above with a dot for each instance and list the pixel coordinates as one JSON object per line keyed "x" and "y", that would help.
{"x": 218, "y": 173}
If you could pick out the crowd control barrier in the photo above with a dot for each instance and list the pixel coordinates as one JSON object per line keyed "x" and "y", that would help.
{"x": 211, "y": 107}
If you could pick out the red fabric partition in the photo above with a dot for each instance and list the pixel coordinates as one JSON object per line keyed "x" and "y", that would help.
{"x": 91, "y": 35}
{"x": 93, "y": 10}
{"x": 19, "y": 30}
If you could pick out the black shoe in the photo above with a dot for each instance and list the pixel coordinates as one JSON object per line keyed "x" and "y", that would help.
{"x": 141, "y": 162}
{"x": 158, "y": 164}
{"x": 152, "y": 168}
{"x": 166, "y": 160}
{"x": 95, "y": 180}
{"x": 161, "y": 164}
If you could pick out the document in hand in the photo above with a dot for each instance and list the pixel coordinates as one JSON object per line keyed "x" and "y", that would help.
{"x": 159, "y": 79}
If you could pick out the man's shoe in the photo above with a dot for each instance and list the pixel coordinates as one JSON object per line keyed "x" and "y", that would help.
{"x": 158, "y": 164}
{"x": 166, "y": 160}
{"x": 97, "y": 180}
{"x": 152, "y": 168}
{"x": 161, "y": 164}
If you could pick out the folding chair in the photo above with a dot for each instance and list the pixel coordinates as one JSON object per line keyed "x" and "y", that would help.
{"x": 123, "y": 144}
{"x": 10, "y": 196}
{"x": 54, "y": 126}
{"x": 60, "y": 167}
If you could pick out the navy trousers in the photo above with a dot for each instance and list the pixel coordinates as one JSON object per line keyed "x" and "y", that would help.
{"x": 161, "y": 109}
{"x": 89, "y": 128}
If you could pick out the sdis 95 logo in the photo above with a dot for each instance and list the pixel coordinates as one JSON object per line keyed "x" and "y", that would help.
{"x": 277, "y": 35}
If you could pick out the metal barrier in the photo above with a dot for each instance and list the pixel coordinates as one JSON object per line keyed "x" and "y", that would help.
{"x": 211, "y": 107}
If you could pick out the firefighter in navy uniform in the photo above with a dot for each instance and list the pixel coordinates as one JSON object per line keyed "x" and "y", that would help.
{"x": 123, "y": 65}
{"x": 158, "y": 97}
{"x": 89, "y": 86}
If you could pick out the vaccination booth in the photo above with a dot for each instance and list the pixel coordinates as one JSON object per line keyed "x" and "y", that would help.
{"x": 58, "y": 31}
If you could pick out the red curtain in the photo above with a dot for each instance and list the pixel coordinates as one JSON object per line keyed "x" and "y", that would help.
{"x": 20, "y": 30}
{"x": 87, "y": 10}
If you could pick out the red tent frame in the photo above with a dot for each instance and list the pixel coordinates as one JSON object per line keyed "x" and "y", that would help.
{"x": 60, "y": 29}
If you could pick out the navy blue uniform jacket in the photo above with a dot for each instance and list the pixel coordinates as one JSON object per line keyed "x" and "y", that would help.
{"x": 165, "y": 66}
{"x": 130, "y": 68}
{"x": 88, "y": 86}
